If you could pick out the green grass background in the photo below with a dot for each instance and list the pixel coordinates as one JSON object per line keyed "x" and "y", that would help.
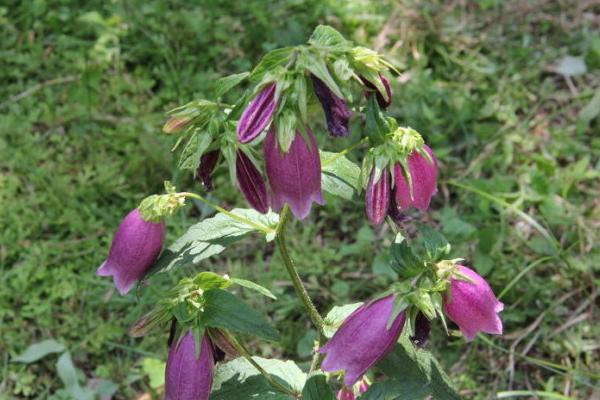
{"x": 84, "y": 87}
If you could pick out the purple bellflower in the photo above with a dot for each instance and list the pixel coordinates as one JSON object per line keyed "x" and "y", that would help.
{"x": 363, "y": 339}
{"x": 134, "y": 249}
{"x": 208, "y": 162}
{"x": 189, "y": 376}
{"x": 336, "y": 111}
{"x": 381, "y": 99}
{"x": 251, "y": 182}
{"x": 472, "y": 305}
{"x": 377, "y": 198}
{"x": 423, "y": 175}
{"x": 295, "y": 176}
{"x": 257, "y": 115}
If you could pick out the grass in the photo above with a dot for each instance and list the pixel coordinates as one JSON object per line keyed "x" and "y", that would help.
{"x": 85, "y": 87}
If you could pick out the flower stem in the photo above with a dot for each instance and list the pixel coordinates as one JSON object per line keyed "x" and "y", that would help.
{"x": 314, "y": 315}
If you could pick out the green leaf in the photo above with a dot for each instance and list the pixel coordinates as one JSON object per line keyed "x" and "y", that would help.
{"x": 38, "y": 351}
{"x": 211, "y": 236}
{"x": 226, "y": 311}
{"x": 68, "y": 375}
{"x": 286, "y": 129}
{"x": 339, "y": 176}
{"x": 270, "y": 61}
{"x": 316, "y": 388}
{"x": 412, "y": 370}
{"x": 225, "y": 84}
{"x": 404, "y": 261}
{"x": 336, "y": 316}
{"x": 327, "y": 38}
{"x": 193, "y": 150}
{"x": 377, "y": 125}
{"x": 435, "y": 243}
{"x": 253, "y": 286}
{"x": 208, "y": 280}
{"x": 317, "y": 66}
{"x": 239, "y": 380}
{"x": 155, "y": 370}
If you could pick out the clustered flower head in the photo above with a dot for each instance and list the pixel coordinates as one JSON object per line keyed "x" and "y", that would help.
{"x": 403, "y": 175}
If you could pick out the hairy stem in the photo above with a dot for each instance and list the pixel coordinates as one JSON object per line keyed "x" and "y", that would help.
{"x": 314, "y": 315}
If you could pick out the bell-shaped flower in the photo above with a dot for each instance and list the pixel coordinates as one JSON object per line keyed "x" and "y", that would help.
{"x": 189, "y": 373}
{"x": 294, "y": 176}
{"x": 472, "y": 305}
{"x": 134, "y": 249}
{"x": 257, "y": 115}
{"x": 377, "y": 199}
{"x": 384, "y": 101}
{"x": 336, "y": 111}
{"x": 423, "y": 181}
{"x": 363, "y": 339}
{"x": 208, "y": 162}
{"x": 251, "y": 182}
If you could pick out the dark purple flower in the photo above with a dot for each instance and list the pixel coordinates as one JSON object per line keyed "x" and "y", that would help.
{"x": 422, "y": 330}
{"x": 189, "y": 376}
{"x": 363, "y": 339}
{"x": 472, "y": 305}
{"x": 423, "y": 174}
{"x": 208, "y": 162}
{"x": 383, "y": 101}
{"x": 336, "y": 111}
{"x": 257, "y": 115}
{"x": 377, "y": 198}
{"x": 251, "y": 182}
{"x": 295, "y": 176}
{"x": 134, "y": 249}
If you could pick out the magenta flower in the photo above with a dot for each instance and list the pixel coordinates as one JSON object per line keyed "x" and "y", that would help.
{"x": 472, "y": 305}
{"x": 423, "y": 174}
{"x": 295, "y": 176}
{"x": 363, "y": 339}
{"x": 251, "y": 182}
{"x": 188, "y": 376}
{"x": 345, "y": 394}
{"x": 336, "y": 111}
{"x": 257, "y": 115}
{"x": 377, "y": 199}
{"x": 134, "y": 249}
{"x": 381, "y": 99}
{"x": 208, "y": 162}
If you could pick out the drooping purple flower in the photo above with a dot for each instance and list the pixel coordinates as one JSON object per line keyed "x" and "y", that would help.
{"x": 363, "y": 386}
{"x": 363, "y": 339}
{"x": 472, "y": 305}
{"x": 295, "y": 176}
{"x": 377, "y": 198}
{"x": 208, "y": 162}
{"x": 336, "y": 111}
{"x": 423, "y": 174}
{"x": 134, "y": 249}
{"x": 257, "y": 115}
{"x": 251, "y": 182}
{"x": 383, "y": 101}
{"x": 188, "y": 376}
{"x": 422, "y": 330}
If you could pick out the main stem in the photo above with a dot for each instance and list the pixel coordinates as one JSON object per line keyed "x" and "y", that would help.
{"x": 314, "y": 315}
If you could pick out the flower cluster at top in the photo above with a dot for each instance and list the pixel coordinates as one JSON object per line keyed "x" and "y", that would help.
{"x": 399, "y": 172}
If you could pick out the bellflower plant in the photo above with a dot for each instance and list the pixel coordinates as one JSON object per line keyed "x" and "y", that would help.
{"x": 190, "y": 371}
{"x": 282, "y": 174}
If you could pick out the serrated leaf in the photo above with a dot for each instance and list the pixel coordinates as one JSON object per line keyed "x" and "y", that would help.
{"x": 404, "y": 261}
{"x": 211, "y": 236}
{"x": 435, "y": 243}
{"x": 316, "y": 388}
{"x": 193, "y": 150}
{"x": 336, "y": 316}
{"x": 226, "y": 311}
{"x": 325, "y": 37}
{"x": 239, "y": 380}
{"x": 270, "y": 61}
{"x": 225, "y": 84}
{"x": 415, "y": 370}
{"x": 38, "y": 351}
{"x": 339, "y": 176}
{"x": 253, "y": 286}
